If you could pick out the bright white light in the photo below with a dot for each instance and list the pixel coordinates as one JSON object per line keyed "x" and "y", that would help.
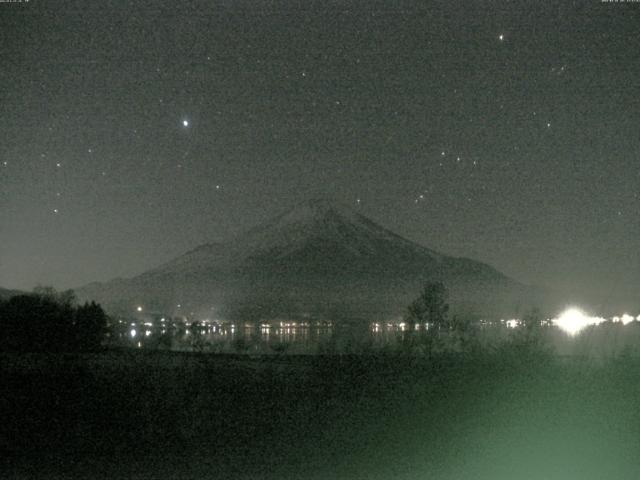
{"x": 185, "y": 123}
{"x": 573, "y": 320}
{"x": 133, "y": 333}
{"x": 501, "y": 37}
{"x": 139, "y": 309}
{"x": 147, "y": 333}
{"x": 513, "y": 323}
{"x": 626, "y": 318}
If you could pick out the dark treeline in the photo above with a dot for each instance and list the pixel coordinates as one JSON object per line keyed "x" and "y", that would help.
{"x": 50, "y": 321}
{"x": 451, "y": 334}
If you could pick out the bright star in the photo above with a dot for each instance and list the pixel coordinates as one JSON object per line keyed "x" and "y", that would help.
{"x": 501, "y": 37}
{"x": 185, "y": 123}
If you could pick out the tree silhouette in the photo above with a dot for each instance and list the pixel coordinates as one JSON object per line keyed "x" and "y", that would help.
{"x": 429, "y": 311}
{"x": 430, "y": 307}
{"x": 90, "y": 326}
{"x": 47, "y": 321}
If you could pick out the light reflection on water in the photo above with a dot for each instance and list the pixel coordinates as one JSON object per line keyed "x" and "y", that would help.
{"x": 259, "y": 339}
{"x": 326, "y": 338}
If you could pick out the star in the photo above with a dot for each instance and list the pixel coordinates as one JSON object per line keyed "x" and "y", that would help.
{"x": 185, "y": 123}
{"x": 501, "y": 37}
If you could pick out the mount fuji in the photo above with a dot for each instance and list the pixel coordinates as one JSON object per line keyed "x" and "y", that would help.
{"x": 318, "y": 260}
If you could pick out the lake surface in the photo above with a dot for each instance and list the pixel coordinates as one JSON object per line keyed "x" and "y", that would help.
{"x": 288, "y": 338}
{"x": 300, "y": 338}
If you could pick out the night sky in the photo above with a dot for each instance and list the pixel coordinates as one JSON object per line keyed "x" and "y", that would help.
{"x": 508, "y": 132}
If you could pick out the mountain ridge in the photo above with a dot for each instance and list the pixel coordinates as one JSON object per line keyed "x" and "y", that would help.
{"x": 318, "y": 258}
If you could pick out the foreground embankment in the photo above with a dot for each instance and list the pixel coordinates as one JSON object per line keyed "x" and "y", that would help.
{"x": 137, "y": 414}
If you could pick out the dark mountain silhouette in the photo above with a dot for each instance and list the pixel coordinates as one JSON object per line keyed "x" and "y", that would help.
{"x": 320, "y": 259}
{"x": 6, "y": 294}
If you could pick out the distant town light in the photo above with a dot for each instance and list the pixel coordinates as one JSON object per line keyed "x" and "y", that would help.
{"x": 133, "y": 333}
{"x": 626, "y": 318}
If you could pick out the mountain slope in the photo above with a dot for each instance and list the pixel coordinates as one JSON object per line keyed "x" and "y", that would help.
{"x": 318, "y": 259}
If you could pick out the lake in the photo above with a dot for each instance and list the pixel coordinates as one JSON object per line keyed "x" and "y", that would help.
{"x": 308, "y": 338}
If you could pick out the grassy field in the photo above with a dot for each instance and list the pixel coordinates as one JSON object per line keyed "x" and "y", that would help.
{"x": 137, "y": 414}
